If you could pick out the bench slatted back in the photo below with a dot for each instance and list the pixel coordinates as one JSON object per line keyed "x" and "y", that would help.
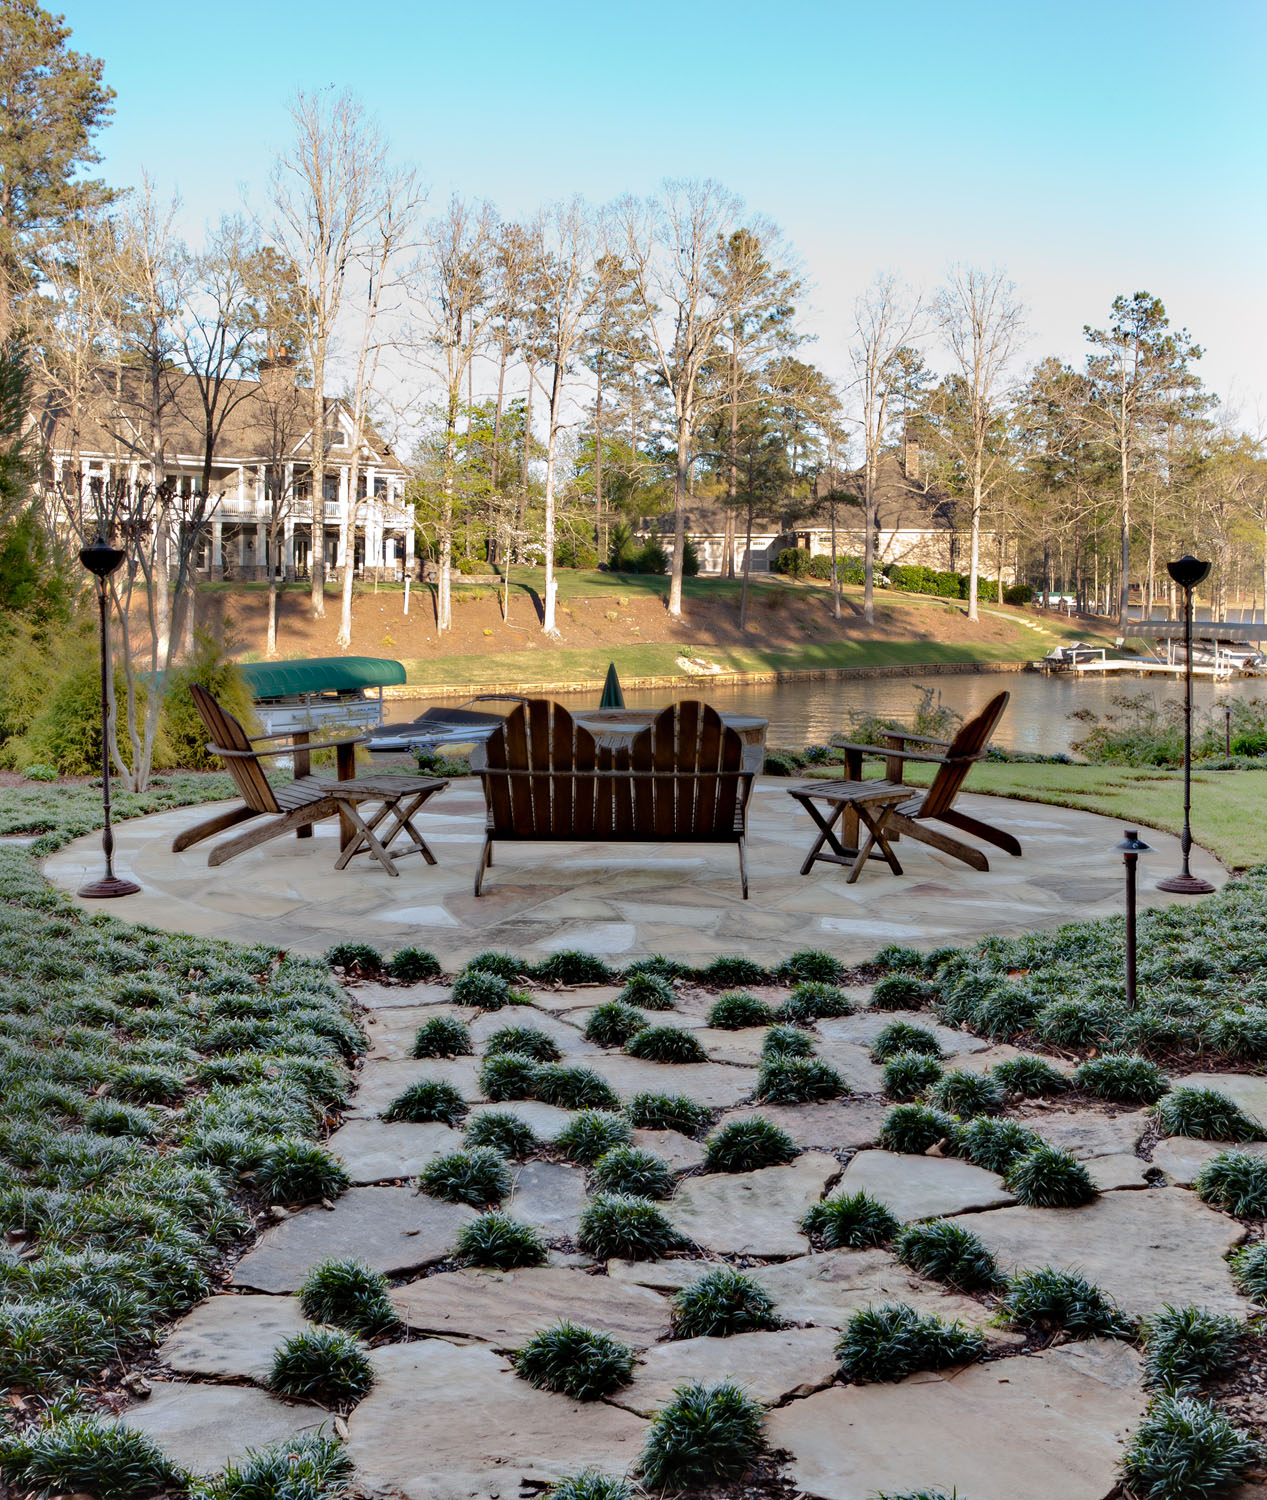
{"x": 227, "y": 734}
{"x": 530, "y": 784}
{"x": 961, "y": 753}
{"x": 702, "y": 799}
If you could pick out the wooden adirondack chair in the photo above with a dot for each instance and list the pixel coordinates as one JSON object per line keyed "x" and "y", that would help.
{"x": 682, "y": 780}
{"x": 293, "y": 806}
{"x": 954, "y": 758}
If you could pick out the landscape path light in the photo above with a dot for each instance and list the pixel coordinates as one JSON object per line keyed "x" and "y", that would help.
{"x": 101, "y": 559}
{"x": 1187, "y": 572}
{"x": 1130, "y": 848}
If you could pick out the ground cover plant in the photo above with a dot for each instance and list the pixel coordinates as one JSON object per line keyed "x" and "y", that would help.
{"x": 1235, "y": 1181}
{"x": 798, "y": 1080}
{"x": 349, "y": 1295}
{"x": 1053, "y": 1301}
{"x": 947, "y": 1252}
{"x": 1046, "y": 1177}
{"x": 615, "y": 1224}
{"x": 1205, "y": 1114}
{"x": 592, "y": 1132}
{"x": 850, "y": 1221}
{"x": 666, "y": 1044}
{"x": 907, "y": 1075}
{"x": 705, "y": 1434}
{"x": 627, "y": 1169}
{"x": 721, "y": 1303}
{"x": 1185, "y": 1345}
{"x": 321, "y": 1364}
{"x": 526, "y": 1041}
{"x": 574, "y": 1361}
{"x": 426, "y": 1101}
{"x": 737, "y": 1009}
{"x": 647, "y": 991}
{"x": 478, "y": 1176}
{"x": 500, "y": 1242}
{"x": 501, "y": 1131}
{"x": 442, "y": 1036}
{"x": 900, "y": 1036}
{"x": 613, "y": 1023}
{"x": 892, "y": 1341}
{"x": 1186, "y": 1449}
{"x": 668, "y": 1112}
{"x": 787, "y": 1041}
{"x": 912, "y": 1128}
{"x": 746, "y": 1145}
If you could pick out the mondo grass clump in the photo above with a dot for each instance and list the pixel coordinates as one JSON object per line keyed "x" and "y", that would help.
{"x": 500, "y": 1131}
{"x": 721, "y": 1303}
{"x": 909, "y": 1075}
{"x": 798, "y": 1080}
{"x": 507, "y": 966}
{"x": 591, "y": 1133}
{"x": 912, "y": 1128}
{"x": 355, "y": 958}
{"x": 728, "y": 973}
{"x": 668, "y": 1112}
{"x": 657, "y": 963}
{"x": 507, "y": 1076}
{"x": 483, "y": 989}
{"x": 413, "y": 965}
{"x": 815, "y": 1000}
{"x": 574, "y": 1088}
{"x": 87, "y": 1455}
{"x": 1122, "y": 1077}
{"x": 1185, "y": 1345}
{"x": 891, "y": 1341}
{"x": 1029, "y": 1077}
{"x": 574, "y": 1361}
{"x": 1206, "y": 1115}
{"x": 963, "y": 1093}
{"x": 1249, "y": 1271}
{"x": 613, "y": 1023}
{"x": 1186, "y": 1449}
{"x": 647, "y": 991}
{"x": 479, "y": 1176}
{"x": 1046, "y": 1177}
{"x": 787, "y": 1041}
{"x": 1235, "y": 1181}
{"x": 705, "y": 1435}
{"x": 442, "y": 1036}
{"x": 572, "y": 966}
{"x": 897, "y": 958}
{"x": 903, "y": 992}
{"x": 899, "y": 1037}
{"x": 499, "y": 1242}
{"x": 1052, "y": 1301}
{"x": 737, "y": 1009}
{"x": 992, "y": 1143}
{"x": 349, "y": 1295}
{"x": 321, "y": 1364}
{"x": 304, "y": 1467}
{"x": 630, "y": 1170}
{"x": 589, "y": 1484}
{"x": 948, "y": 1252}
{"x": 849, "y": 1221}
{"x": 666, "y": 1044}
{"x": 299, "y": 1171}
{"x": 525, "y": 1041}
{"x": 616, "y": 1226}
{"x": 747, "y": 1145}
{"x": 810, "y": 965}
{"x": 426, "y": 1101}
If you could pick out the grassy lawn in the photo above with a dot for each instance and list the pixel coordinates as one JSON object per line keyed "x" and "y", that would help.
{"x": 66, "y": 810}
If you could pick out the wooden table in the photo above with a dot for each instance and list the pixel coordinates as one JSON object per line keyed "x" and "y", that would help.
{"x": 398, "y": 797}
{"x": 872, "y": 804}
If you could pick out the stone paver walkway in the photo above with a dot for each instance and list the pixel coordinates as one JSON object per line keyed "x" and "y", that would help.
{"x": 678, "y": 899}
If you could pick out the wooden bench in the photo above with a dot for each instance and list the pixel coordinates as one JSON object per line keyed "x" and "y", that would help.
{"x": 686, "y": 778}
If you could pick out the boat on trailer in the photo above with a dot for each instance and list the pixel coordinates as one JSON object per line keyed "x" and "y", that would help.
{"x": 324, "y": 692}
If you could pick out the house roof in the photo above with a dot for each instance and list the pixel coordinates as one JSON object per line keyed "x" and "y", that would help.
{"x": 265, "y": 421}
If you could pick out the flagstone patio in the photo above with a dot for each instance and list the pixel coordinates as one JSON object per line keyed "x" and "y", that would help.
{"x": 682, "y": 900}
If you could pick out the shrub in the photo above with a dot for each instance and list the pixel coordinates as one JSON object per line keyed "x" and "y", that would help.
{"x": 647, "y": 991}
{"x": 592, "y": 1133}
{"x": 901, "y": 1036}
{"x": 297, "y": 1171}
{"x": 482, "y": 988}
{"x": 425, "y": 1101}
{"x": 614, "y": 1225}
{"x": 86, "y": 1455}
{"x": 737, "y": 1009}
{"x": 500, "y": 1131}
{"x": 505, "y": 965}
{"x": 526, "y": 1041}
{"x": 613, "y": 1023}
{"x": 892, "y": 1341}
{"x": 442, "y": 1036}
{"x": 850, "y": 1221}
{"x": 912, "y": 1128}
{"x": 321, "y": 1364}
{"x": 412, "y": 965}
{"x": 1185, "y": 1345}
{"x": 814, "y": 1000}
{"x": 571, "y": 966}
{"x": 732, "y": 971}
{"x": 1049, "y": 1178}
{"x": 909, "y": 1074}
{"x": 357, "y": 958}
{"x": 813, "y": 965}
{"x": 508, "y": 1075}
{"x": 902, "y": 992}
{"x": 1235, "y": 1181}
{"x": 1205, "y": 1114}
{"x": 947, "y": 1252}
{"x": 627, "y": 1169}
{"x": 304, "y": 1467}
{"x": 1123, "y": 1077}
{"x": 498, "y": 1241}
{"x": 721, "y": 1303}
{"x": 1055, "y": 1301}
{"x": 746, "y": 1145}
{"x": 574, "y": 1361}
{"x": 349, "y": 1295}
{"x": 705, "y": 1434}
{"x": 993, "y": 1144}
{"x": 1030, "y": 1077}
{"x": 666, "y": 1044}
{"x": 787, "y": 1041}
{"x": 574, "y": 1088}
{"x": 798, "y": 1080}
{"x": 478, "y": 1176}
{"x": 668, "y": 1112}
{"x": 1186, "y": 1449}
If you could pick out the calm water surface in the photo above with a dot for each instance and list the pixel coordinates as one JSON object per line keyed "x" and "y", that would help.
{"x": 1038, "y": 717}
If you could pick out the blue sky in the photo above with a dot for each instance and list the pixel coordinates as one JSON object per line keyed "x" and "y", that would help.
{"x": 1090, "y": 148}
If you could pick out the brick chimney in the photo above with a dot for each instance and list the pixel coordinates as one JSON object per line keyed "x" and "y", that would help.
{"x": 277, "y": 379}
{"x": 911, "y": 460}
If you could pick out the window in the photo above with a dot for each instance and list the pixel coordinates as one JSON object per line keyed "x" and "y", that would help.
{"x": 336, "y": 437}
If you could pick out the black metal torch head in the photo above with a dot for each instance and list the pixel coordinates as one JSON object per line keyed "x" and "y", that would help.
{"x": 1188, "y": 571}
{"x": 101, "y": 558}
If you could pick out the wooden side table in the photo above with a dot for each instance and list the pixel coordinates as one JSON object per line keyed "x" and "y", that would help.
{"x": 871, "y": 802}
{"x": 398, "y": 798}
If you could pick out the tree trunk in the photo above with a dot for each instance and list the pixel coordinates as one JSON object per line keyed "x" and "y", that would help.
{"x": 270, "y": 649}
{"x": 598, "y": 460}
{"x": 868, "y": 547}
{"x": 317, "y": 591}
{"x": 347, "y": 543}
{"x": 680, "y": 484}
{"x": 835, "y": 571}
{"x": 974, "y": 546}
{"x": 747, "y": 570}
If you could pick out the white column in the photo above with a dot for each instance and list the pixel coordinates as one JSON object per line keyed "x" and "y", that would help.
{"x": 217, "y": 551}
{"x": 409, "y": 550}
{"x": 241, "y": 488}
{"x": 288, "y": 544}
{"x": 262, "y": 559}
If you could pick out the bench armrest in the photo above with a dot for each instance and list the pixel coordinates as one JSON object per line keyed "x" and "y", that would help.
{"x": 359, "y": 739}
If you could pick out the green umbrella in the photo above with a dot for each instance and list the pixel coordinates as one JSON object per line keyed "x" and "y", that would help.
{"x": 612, "y": 696}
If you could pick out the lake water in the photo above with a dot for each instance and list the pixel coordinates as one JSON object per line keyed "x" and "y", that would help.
{"x": 805, "y": 713}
